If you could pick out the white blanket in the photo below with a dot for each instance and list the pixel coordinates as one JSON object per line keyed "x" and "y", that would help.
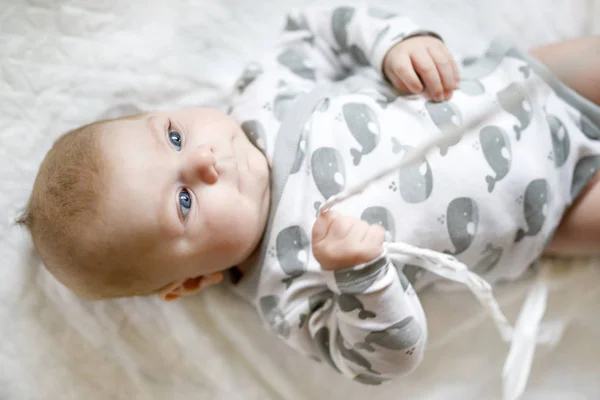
{"x": 67, "y": 62}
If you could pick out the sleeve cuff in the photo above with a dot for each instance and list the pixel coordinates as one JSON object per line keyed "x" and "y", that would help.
{"x": 358, "y": 279}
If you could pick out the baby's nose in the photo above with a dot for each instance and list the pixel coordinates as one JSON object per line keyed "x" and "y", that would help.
{"x": 201, "y": 165}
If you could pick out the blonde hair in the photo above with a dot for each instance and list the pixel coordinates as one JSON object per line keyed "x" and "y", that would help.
{"x": 65, "y": 218}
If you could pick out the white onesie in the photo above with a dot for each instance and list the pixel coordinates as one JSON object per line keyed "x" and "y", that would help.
{"x": 323, "y": 114}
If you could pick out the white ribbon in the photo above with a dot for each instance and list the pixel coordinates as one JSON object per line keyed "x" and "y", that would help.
{"x": 527, "y": 333}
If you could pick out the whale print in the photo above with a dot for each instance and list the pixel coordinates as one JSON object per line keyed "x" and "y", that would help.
{"x": 402, "y": 335}
{"x": 269, "y": 307}
{"x": 298, "y": 62}
{"x": 446, "y": 116}
{"x": 296, "y": 23}
{"x": 348, "y": 303}
{"x": 462, "y": 220}
{"x": 369, "y": 379}
{"x": 495, "y": 145}
{"x": 329, "y": 174}
{"x": 415, "y": 182}
{"x": 381, "y": 216}
{"x": 252, "y": 71}
{"x": 560, "y": 140}
{"x": 491, "y": 257}
{"x": 255, "y": 132}
{"x": 292, "y": 247}
{"x": 301, "y": 150}
{"x": 356, "y": 281}
{"x": 363, "y": 124}
{"x": 322, "y": 341}
{"x": 340, "y": 19}
{"x": 514, "y": 100}
{"x": 315, "y": 302}
{"x": 535, "y": 207}
{"x": 585, "y": 170}
{"x": 353, "y": 355}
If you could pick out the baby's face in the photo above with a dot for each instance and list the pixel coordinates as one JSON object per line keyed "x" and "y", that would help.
{"x": 193, "y": 183}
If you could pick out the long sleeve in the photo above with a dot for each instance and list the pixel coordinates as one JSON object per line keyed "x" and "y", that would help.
{"x": 318, "y": 44}
{"x": 374, "y": 328}
{"x": 344, "y": 38}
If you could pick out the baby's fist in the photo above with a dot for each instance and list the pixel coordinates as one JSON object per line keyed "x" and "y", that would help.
{"x": 340, "y": 242}
{"x": 422, "y": 62}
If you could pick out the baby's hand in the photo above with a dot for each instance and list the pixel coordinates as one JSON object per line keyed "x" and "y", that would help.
{"x": 340, "y": 242}
{"x": 422, "y": 60}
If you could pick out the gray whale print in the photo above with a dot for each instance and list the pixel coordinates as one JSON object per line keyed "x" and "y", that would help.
{"x": 369, "y": 379}
{"x": 340, "y": 19}
{"x": 255, "y": 132}
{"x": 363, "y": 124}
{"x": 301, "y": 150}
{"x": 296, "y": 23}
{"x": 252, "y": 71}
{"x": 561, "y": 143}
{"x": 382, "y": 216}
{"x": 315, "y": 302}
{"x": 446, "y": 116}
{"x": 415, "y": 183}
{"x": 514, "y": 100}
{"x": 322, "y": 342}
{"x": 298, "y": 62}
{"x": 269, "y": 307}
{"x": 348, "y": 303}
{"x": 462, "y": 220}
{"x": 495, "y": 145}
{"x": 402, "y": 335}
{"x": 491, "y": 257}
{"x": 585, "y": 170}
{"x": 328, "y": 171}
{"x": 292, "y": 247}
{"x": 353, "y": 355}
{"x": 535, "y": 207}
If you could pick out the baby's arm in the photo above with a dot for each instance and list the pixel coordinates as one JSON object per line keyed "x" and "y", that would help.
{"x": 376, "y": 327}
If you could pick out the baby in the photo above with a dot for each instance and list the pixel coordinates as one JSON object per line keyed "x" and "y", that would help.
{"x": 167, "y": 202}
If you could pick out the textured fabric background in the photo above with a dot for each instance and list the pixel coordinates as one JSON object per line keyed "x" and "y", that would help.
{"x": 67, "y": 62}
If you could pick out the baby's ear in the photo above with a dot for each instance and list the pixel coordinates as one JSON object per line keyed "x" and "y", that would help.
{"x": 189, "y": 286}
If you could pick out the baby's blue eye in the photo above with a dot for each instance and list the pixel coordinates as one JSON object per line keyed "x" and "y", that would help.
{"x": 175, "y": 139}
{"x": 185, "y": 203}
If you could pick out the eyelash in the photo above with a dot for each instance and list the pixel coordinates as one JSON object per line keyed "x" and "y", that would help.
{"x": 170, "y": 129}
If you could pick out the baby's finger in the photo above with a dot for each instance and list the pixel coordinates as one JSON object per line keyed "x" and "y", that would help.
{"x": 360, "y": 245}
{"x": 444, "y": 67}
{"x": 455, "y": 70}
{"x": 373, "y": 242}
{"x": 340, "y": 228}
{"x": 425, "y": 67}
{"x": 322, "y": 225}
{"x": 404, "y": 70}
